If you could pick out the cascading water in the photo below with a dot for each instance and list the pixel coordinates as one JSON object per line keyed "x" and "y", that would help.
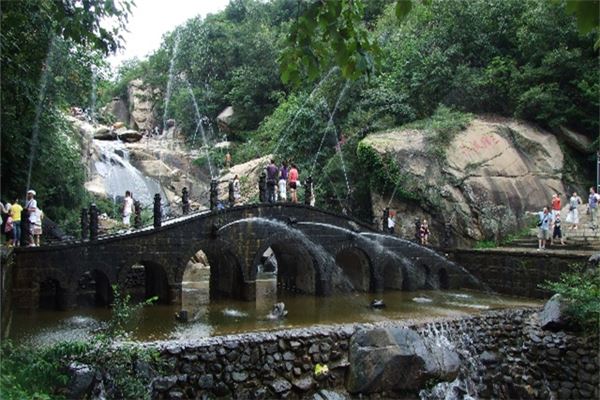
{"x": 120, "y": 175}
{"x": 170, "y": 82}
{"x": 291, "y": 125}
{"x": 200, "y": 126}
{"x": 39, "y": 108}
{"x": 93, "y": 96}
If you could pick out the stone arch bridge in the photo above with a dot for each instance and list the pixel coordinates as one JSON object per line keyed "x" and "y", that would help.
{"x": 318, "y": 252}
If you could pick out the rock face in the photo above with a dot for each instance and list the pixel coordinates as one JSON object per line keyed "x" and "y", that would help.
{"x": 492, "y": 172}
{"x": 225, "y": 118}
{"x": 396, "y": 359}
{"x": 248, "y": 174}
{"x": 141, "y": 106}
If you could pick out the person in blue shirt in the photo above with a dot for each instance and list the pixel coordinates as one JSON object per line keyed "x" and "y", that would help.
{"x": 544, "y": 222}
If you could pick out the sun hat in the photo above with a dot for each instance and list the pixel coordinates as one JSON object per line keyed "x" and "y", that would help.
{"x": 31, "y": 191}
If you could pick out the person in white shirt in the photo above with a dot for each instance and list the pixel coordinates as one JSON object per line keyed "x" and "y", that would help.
{"x": 127, "y": 208}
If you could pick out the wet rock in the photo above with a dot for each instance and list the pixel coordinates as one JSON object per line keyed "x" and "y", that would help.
{"x": 552, "y": 317}
{"x": 239, "y": 376}
{"x": 130, "y": 136}
{"x": 396, "y": 359}
{"x": 221, "y": 389}
{"x": 281, "y": 385}
{"x": 175, "y": 395}
{"x": 206, "y": 382}
{"x": 104, "y": 133}
{"x": 82, "y": 377}
{"x": 324, "y": 394}
{"x": 303, "y": 384}
{"x": 488, "y": 358}
{"x": 164, "y": 383}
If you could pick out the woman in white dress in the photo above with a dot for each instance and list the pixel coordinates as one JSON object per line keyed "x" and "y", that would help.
{"x": 573, "y": 215}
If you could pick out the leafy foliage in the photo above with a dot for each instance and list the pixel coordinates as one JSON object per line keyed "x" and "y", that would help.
{"x": 41, "y": 372}
{"x": 580, "y": 287}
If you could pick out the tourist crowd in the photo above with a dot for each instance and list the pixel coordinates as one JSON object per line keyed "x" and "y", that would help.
{"x": 549, "y": 219}
{"x": 14, "y": 214}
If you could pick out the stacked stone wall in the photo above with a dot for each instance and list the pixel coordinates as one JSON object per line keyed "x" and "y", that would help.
{"x": 504, "y": 355}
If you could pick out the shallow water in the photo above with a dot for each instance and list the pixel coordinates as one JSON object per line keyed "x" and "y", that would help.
{"x": 229, "y": 316}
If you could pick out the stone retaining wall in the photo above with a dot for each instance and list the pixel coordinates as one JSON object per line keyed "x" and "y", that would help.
{"x": 517, "y": 272}
{"x": 504, "y": 354}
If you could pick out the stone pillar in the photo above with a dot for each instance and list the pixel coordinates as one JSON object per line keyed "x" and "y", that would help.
{"x": 185, "y": 201}
{"x": 93, "y": 222}
{"x": 384, "y": 221}
{"x": 231, "y": 194}
{"x": 85, "y": 224}
{"x": 308, "y": 188}
{"x": 447, "y": 235}
{"x": 214, "y": 194}
{"x": 262, "y": 188}
{"x": 175, "y": 293}
{"x": 26, "y": 237}
{"x": 137, "y": 219}
{"x": 157, "y": 211}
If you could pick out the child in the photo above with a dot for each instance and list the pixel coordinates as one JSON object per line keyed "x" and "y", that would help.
{"x": 557, "y": 232}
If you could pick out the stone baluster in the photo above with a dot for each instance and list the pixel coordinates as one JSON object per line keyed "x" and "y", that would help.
{"x": 384, "y": 220}
{"x": 308, "y": 189}
{"x": 157, "y": 211}
{"x": 214, "y": 194}
{"x": 418, "y": 230}
{"x": 185, "y": 201}
{"x": 137, "y": 219}
{"x": 231, "y": 194}
{"x": 262, "y": 188}
{"x": 93, "y": 222}
{"x": 85, "y": 224}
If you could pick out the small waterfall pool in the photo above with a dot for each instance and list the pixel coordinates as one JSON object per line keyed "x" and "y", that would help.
{"x": 220, "y": 317}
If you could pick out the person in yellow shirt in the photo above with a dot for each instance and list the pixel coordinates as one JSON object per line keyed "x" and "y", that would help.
{"x": 15, "y": 213}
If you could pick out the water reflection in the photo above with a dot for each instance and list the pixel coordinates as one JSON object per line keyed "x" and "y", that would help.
{"x": 209, "y": 318}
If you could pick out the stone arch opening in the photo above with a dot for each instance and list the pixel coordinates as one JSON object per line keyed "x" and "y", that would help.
{"x": 393, "y": 276}
{"x": 356, "y": 266}
{"x": 195, "y": 284}
{"x": 443, "y": 279}
{"x": 146, "y": 279}
{"x": 94, "y": 290}
{"x": 52, "y": 296}
{"x": 294, "y": 265}
{"x": 428, "y": 283}
{"x": 226, "y": 278}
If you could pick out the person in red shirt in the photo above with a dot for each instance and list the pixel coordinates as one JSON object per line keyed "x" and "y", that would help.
{"x": 555, "y": 205}
{"x": 293, "y": 180}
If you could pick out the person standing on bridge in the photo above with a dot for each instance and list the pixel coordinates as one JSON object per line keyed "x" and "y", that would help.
{"x": 15, "y": 213}
{"x": 32, "y": 210}
{"x": 237, "y": 194}
{"x": 283, "y": 176}
{"x": 127, "y": 208}
{"x": 272, "y": 171}
{"x": 293, "y": 181}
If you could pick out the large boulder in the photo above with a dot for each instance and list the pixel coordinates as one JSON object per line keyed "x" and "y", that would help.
{"x": 490, "y": 174}
{"x": 397, "y": 359}
{"x": 225, "y": 119}
{"x": 579, "y": 142}
{"x": 248, "y": 173}
{"x": 104, "y": 133}
{"x": 119, "y": 109}
{"x": 553, "y": 316}
{"x": 130, "y": 136}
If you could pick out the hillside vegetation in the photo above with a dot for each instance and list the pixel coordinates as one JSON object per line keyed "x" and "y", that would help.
{"x": 514, "y": 58}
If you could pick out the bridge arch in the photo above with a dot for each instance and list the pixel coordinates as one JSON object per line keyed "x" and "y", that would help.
{"x": 298, "y": 269}
{"x": 94, "y": 288}
{"x": 144, "y": 279}
{"x": 357, "y": 266}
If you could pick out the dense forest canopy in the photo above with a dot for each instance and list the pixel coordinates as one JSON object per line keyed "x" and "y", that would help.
{"x": 302, "y": 79}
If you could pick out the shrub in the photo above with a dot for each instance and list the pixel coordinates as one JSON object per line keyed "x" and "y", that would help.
{"x": 580, "y": 287}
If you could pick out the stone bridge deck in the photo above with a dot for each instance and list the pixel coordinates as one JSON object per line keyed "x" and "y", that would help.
{"x": 318, "y": 252}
